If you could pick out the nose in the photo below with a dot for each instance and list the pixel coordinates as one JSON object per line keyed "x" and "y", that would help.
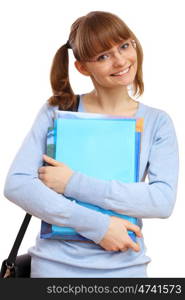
{"x": 119, "y": 58}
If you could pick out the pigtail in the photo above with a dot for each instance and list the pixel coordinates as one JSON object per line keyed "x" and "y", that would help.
{"x": 63, "y": 95}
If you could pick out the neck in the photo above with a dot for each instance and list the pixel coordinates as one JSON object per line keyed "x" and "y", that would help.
{"x": 112, "y": 100}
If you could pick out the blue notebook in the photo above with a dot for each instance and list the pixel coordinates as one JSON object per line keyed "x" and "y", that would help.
{"x": 101, "y": 146}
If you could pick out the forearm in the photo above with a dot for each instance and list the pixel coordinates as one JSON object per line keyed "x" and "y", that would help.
{"x": 37, "y": 199}
{"x": 141, "y": 200}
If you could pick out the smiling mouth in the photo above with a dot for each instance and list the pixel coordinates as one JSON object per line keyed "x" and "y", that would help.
{"x": 122, "y": 72}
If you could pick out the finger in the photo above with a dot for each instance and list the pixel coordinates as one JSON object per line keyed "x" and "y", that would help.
{"x": 41, "y": 177}
{"x": 134, "y": 246}
{"x": 50, "y": 160}
{"x": 124, "y": 249}
{"x": 133, "y": 228}
{"x": 41, "y": 170}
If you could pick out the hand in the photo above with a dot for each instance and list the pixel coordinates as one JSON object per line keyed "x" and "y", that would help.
{"x": 55, "y": 176}
{"x": 117, "y": 238}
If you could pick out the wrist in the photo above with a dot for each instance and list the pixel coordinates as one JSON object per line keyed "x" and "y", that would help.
{"x": 68, "y": 178}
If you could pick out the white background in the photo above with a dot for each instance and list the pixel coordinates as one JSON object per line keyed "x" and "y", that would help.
{"x": 31, "y": 32}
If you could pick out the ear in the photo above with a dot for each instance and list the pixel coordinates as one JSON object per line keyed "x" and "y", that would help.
{"x": 80, "y": 66}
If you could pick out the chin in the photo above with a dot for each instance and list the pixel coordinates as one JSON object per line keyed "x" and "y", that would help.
{"x": 126, "y": 83}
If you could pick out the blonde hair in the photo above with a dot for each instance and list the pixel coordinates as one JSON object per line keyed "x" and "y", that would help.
{"x": 90, "y": 34}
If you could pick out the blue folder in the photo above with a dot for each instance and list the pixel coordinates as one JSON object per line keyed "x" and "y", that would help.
{"x": 100, "y": 146}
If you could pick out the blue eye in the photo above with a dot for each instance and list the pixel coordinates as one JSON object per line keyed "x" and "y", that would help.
{"x": 125, "y": 46}
{"x": 102, "y": 57}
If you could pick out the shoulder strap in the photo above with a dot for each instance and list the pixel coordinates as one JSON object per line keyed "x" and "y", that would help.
{"x": 13, "y": 253}
{"x": 77, "y": 103}
{"x": 75, "y": 108}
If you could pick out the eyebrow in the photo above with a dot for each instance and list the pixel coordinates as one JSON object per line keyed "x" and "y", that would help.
{"x": 107, "y": 51}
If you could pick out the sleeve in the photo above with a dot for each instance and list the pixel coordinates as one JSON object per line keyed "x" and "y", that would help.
{"x": 25, "y": 189}
{"x": 154, "y": 199}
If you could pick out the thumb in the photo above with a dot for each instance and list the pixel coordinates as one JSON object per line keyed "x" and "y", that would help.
{"x": 50, "y": 160}
{"x": 134, "y": 246}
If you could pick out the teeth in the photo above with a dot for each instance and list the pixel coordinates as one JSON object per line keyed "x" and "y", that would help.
{"x": 121, "y": 73}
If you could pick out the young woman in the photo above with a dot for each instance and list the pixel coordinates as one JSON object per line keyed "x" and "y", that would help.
{"x": 109, "y": 53}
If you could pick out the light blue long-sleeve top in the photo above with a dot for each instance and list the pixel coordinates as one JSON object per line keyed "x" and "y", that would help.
{"x": 153, "y": 199}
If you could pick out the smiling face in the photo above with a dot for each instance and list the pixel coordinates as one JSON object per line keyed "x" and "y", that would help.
{"x": 114, "y": 67}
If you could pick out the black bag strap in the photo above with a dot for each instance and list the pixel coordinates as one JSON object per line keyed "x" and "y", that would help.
{"x": 13, "y": 253}
{"x": 77, "y": 104}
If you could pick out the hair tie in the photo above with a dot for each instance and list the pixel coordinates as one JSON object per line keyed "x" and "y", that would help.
{"x": 68, "y": 45}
